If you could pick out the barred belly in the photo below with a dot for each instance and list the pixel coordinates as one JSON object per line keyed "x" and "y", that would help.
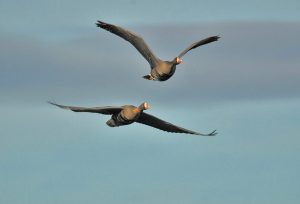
{"x": 121, "y": 120}
{"x": 162, "y": 76}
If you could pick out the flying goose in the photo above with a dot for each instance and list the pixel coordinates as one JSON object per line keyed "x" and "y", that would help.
{"x": 160, "y": 70}
{"x": 127, "y": 114}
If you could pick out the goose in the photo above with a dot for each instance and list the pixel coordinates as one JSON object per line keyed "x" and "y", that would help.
{"x": 127, "y": 114}
{"x": 160, "y": 70}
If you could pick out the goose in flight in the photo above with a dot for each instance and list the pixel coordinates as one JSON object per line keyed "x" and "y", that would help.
{"x": 127, "y": 114}
{"x": 160, "y": 70}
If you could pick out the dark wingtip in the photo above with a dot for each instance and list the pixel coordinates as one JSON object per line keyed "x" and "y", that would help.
{"x": 101, "y": 24}
{"x": 216, "y": 38}
{"x": 213, "y": 133}
{"x": 55, "y": 104}
{"x": 52, "y": 103}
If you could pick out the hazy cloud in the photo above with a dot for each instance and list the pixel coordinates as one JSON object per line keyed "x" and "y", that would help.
{"x": 251, "y": 60}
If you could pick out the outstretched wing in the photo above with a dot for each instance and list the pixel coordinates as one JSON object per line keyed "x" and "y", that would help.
{"x": 107, "y": 110}
{"x": 134, "y": 39}
{"x": 155, "y": 122}
{"x": 199, "y": 43}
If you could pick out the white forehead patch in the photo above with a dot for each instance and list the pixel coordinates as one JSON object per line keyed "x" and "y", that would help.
{"x": 146, "y": 105}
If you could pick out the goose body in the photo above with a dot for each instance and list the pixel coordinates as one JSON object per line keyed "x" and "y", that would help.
{"x": 127, "y": 114}
{"x": 160, "y": 70}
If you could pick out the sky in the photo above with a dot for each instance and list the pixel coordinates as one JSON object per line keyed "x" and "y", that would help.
{"x": 246, "y": 86}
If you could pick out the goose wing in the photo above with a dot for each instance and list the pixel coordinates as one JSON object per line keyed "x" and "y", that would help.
{"x": 199, "y": 43}
{"x": 137, "y": 41}
{"x": 107, "y": 110}
{"x": 155, "y": 122}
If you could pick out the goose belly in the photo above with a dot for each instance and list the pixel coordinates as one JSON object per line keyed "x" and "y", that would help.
{"x": 165, "y": 73}
{"x": 118, "y": 120}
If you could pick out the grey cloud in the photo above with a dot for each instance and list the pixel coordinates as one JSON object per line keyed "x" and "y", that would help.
{"x": 251, "y": 60}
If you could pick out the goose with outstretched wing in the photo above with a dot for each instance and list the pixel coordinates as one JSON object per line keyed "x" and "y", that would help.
{"x": 160, "y": 70}
{"x": 127, "y": 114}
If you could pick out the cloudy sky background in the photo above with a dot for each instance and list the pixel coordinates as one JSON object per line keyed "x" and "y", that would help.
{"x": 246, "y": 86}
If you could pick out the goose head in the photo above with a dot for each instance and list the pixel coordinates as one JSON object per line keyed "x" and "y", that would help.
{"x": 144, "y": 106}
{"x": 177, "y": 60}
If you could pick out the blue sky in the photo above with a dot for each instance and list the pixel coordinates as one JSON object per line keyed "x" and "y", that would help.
{"x": 246, "y": 86}
{"x": 57, "y": 19}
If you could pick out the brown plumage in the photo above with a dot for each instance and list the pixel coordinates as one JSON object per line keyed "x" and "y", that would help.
{"x": 160, "y": 70}
{"x": 127, "y": 114}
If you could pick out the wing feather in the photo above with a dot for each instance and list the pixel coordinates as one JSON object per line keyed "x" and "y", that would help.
{"x": 107, "y": 110}
{"x": 136, "y": 40}
{"x": 155, "y": 122}
{"x": 199, "y": 43}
